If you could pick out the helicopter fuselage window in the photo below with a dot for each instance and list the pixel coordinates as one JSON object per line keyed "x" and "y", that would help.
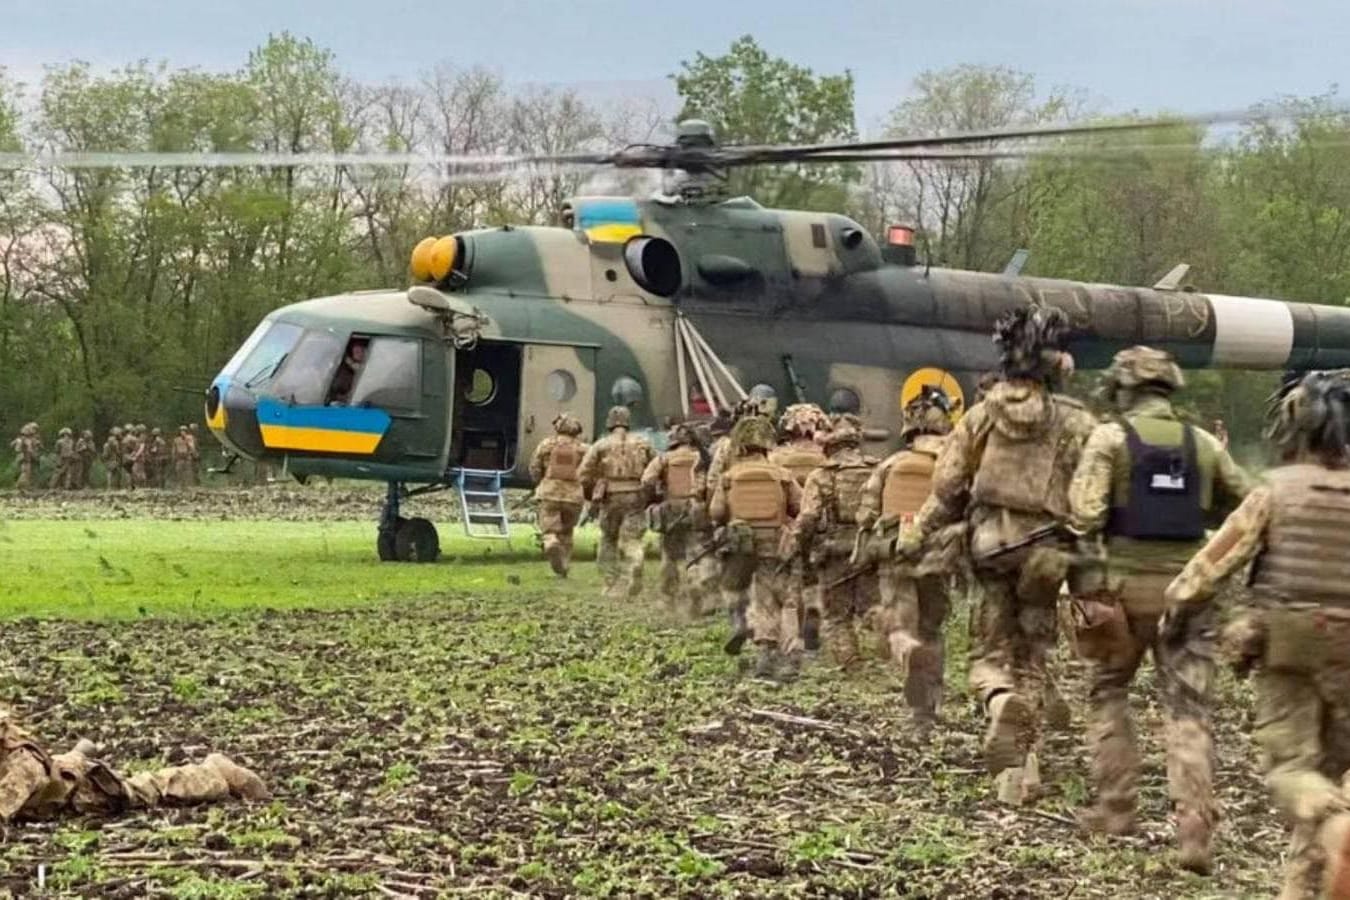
{"x": 481, "y": 389}
{"x": 304, "y": 377}
{"x": 391, "y": 376}
{"x": 353, "y": 361}
{"x": 562, "y": 386}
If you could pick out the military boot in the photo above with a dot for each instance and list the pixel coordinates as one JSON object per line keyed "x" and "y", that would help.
{"x": 1194, "y": 834}
{"x": 1114, "y": 817}
{"x": 790, "y": 666}
{"x": 1058, "y": 715}
{"x": 557, "y": 561}
{"x": 766, "y": 663}
{"x": 740, "y": 632}
{"x": 811, "y": 630}
{"x": 1008, "y": 720}
{"x": 244, "y": 783}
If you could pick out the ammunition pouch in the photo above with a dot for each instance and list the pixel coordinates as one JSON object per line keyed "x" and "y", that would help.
{"x": 1100, "y": 627}
{"x": 1302, "y": 640}
{"x": 738, "y": 539}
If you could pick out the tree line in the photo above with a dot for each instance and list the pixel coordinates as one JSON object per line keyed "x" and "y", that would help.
{"x": 122, "y": 290}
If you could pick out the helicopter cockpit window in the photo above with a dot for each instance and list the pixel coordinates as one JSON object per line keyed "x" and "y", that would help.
{"x": 304, "y": 378}
{"x": 844, "y": 400}
{"x": 267, "y": 355}
{"x": 390, "y": 377}
{"x": 353, "y": 363}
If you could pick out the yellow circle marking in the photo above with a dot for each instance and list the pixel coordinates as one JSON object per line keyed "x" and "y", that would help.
{"x": 939, "y": 378}
{"x": 421, "y": 259}
{"x": 441, "y": 258}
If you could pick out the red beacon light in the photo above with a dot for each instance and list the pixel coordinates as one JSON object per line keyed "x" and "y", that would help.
{"x": 899, "y": 248}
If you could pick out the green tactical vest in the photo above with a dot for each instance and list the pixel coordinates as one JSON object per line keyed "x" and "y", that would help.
{"x": 1129, "y": 554}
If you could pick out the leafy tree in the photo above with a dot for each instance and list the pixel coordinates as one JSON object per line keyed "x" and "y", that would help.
{"x": 750, "y": 97}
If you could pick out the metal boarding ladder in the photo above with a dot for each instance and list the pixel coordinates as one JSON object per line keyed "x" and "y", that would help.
{"x": 479, "y": 488}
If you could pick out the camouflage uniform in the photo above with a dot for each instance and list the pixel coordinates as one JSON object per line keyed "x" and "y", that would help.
{"x": 158, "y": 469}
{"x": 130, "y": 443}
{"x": 182, "y": 457}
{"x": 1297, "y": 634}
{"x": 557, "y": 494}
{"x": 85, "y": 451}
{"x": 705, "y": 574}
{"x": 195, "y": 454}
{"x": 1154, "y": 522}
{"x": 37, "y": 785}
{"x": 913, "y": 596}
{"x": 27, "y": 452}
{"x": 672, "y": 480}
{"x": 800, "y": 453}
{"x": 140, "y": 458}
{"x": 63, "y": 477}
{"x": 826, "y": 532}
{"x": 112, "y": 458}
{"x": 754, "y": 501}
{"x": 1006, "y": 470}
{"x": 611, "y": 478}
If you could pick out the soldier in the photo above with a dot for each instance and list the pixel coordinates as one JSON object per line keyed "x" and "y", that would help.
{"x": 826, "y": 533}
{"x": 159, "y": 459}
{"x": 1148, "y": 483}
{"x": 754, "y": 501}
{"x": 140, "y": 458}
{"x": 112, "y": 458}
{"x": 27, "y": 452}
{"x": 671, "y": 482}
{"x": 913, "y": 596}
{"x": 1297, "y": 633}
{"x": 64, "y": 474}
{"x": 1006, "y": 471}
{"x": 196, "y": 455}
{"x": 799, "y": 452}
{"x": 554, "y": 468}
{"x": 85, "y": 451}
{"x": 37, "y": 785}
{"x": 705, "y": 572}
{"x": 129, "y": 445}
{"x": 181, "y": 453}
{"x": 611, "y": 478}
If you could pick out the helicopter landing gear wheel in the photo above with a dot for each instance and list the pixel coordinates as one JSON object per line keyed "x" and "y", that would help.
{"x": 416, "y": 540}
{"x": 385, "y": 544}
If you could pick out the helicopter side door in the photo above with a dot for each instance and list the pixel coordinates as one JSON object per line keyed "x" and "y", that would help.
{"x": 555, "y": 378}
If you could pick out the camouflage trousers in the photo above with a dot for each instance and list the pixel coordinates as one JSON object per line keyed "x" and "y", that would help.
{"x": 1302, "y": 727}
{"x": 845, "y": 608}
{"x": 1013, "y": 630}
{"x": 913, "y": 612}
{"x": 113, "y": 473}
{"x": 36, "y": 786}
{"x": 704, "y": 575}
{"x": 138, "y": 475}
{"x": 679, "y": 585}
{"x": 772, "y": 614}
{"x": 1185, "y": 677}
{"x": 623, "y": 522}
{"x": 556, "y": 522}
{"x": 60, "y": 477}
{"x": 25, "y": 479}
{"x": 182, "y": 472}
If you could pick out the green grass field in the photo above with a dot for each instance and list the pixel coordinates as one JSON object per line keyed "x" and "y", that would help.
{"x": 477, "y": 728}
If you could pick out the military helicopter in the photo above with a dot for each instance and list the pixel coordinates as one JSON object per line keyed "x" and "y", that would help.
{"x": 673, "y": 306}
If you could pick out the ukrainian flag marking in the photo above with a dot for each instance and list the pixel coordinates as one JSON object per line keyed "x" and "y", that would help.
{"x": 321, "y": 429}
{"x": 609, "y": 220}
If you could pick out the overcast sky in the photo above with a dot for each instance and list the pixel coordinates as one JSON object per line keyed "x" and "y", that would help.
{"x": 1147, "y": 55}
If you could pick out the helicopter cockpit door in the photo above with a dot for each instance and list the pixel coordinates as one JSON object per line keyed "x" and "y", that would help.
{"x": 555, "y": 378}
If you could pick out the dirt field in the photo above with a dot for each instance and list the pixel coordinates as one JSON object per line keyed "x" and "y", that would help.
{"x": 506, "y": 735}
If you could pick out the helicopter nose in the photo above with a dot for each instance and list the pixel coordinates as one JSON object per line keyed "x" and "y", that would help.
{"x": 232, "y": 416}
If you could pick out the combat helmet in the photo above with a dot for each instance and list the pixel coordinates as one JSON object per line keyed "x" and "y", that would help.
{"x": 753, "y": 433}
{"x": 129, "y": 428}
{"x": 846, "y": 431}
{"x": 30, "y": 428}
{"x": 803, "y": 420}
{"x": 64, "y": 432}
{"x": 682, "y": 435}
{"x": 115, "y": 431}
{"x": 155, "y": 432}
{"x": 1310, "y": 416}
{"x": 87, "y": 434}
{"x": 1142, "y": 367}
{"x": 563, "y": 423}
{"x": 928, "y": 413}
{"x": 618, "y": 417}
{"x": 1030, "y": 342}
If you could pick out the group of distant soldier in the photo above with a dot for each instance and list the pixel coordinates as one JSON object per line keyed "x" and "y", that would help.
{"x": 133, "y": 456}
{"x": 1051, "y": 521}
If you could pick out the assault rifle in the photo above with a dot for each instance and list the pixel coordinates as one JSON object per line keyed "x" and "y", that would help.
{"x": 1031, "y": 538}
{"x": 712, "y": 546}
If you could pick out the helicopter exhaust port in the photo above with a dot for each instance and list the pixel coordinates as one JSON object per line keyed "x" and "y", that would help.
{"x": 654, "y": 264}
